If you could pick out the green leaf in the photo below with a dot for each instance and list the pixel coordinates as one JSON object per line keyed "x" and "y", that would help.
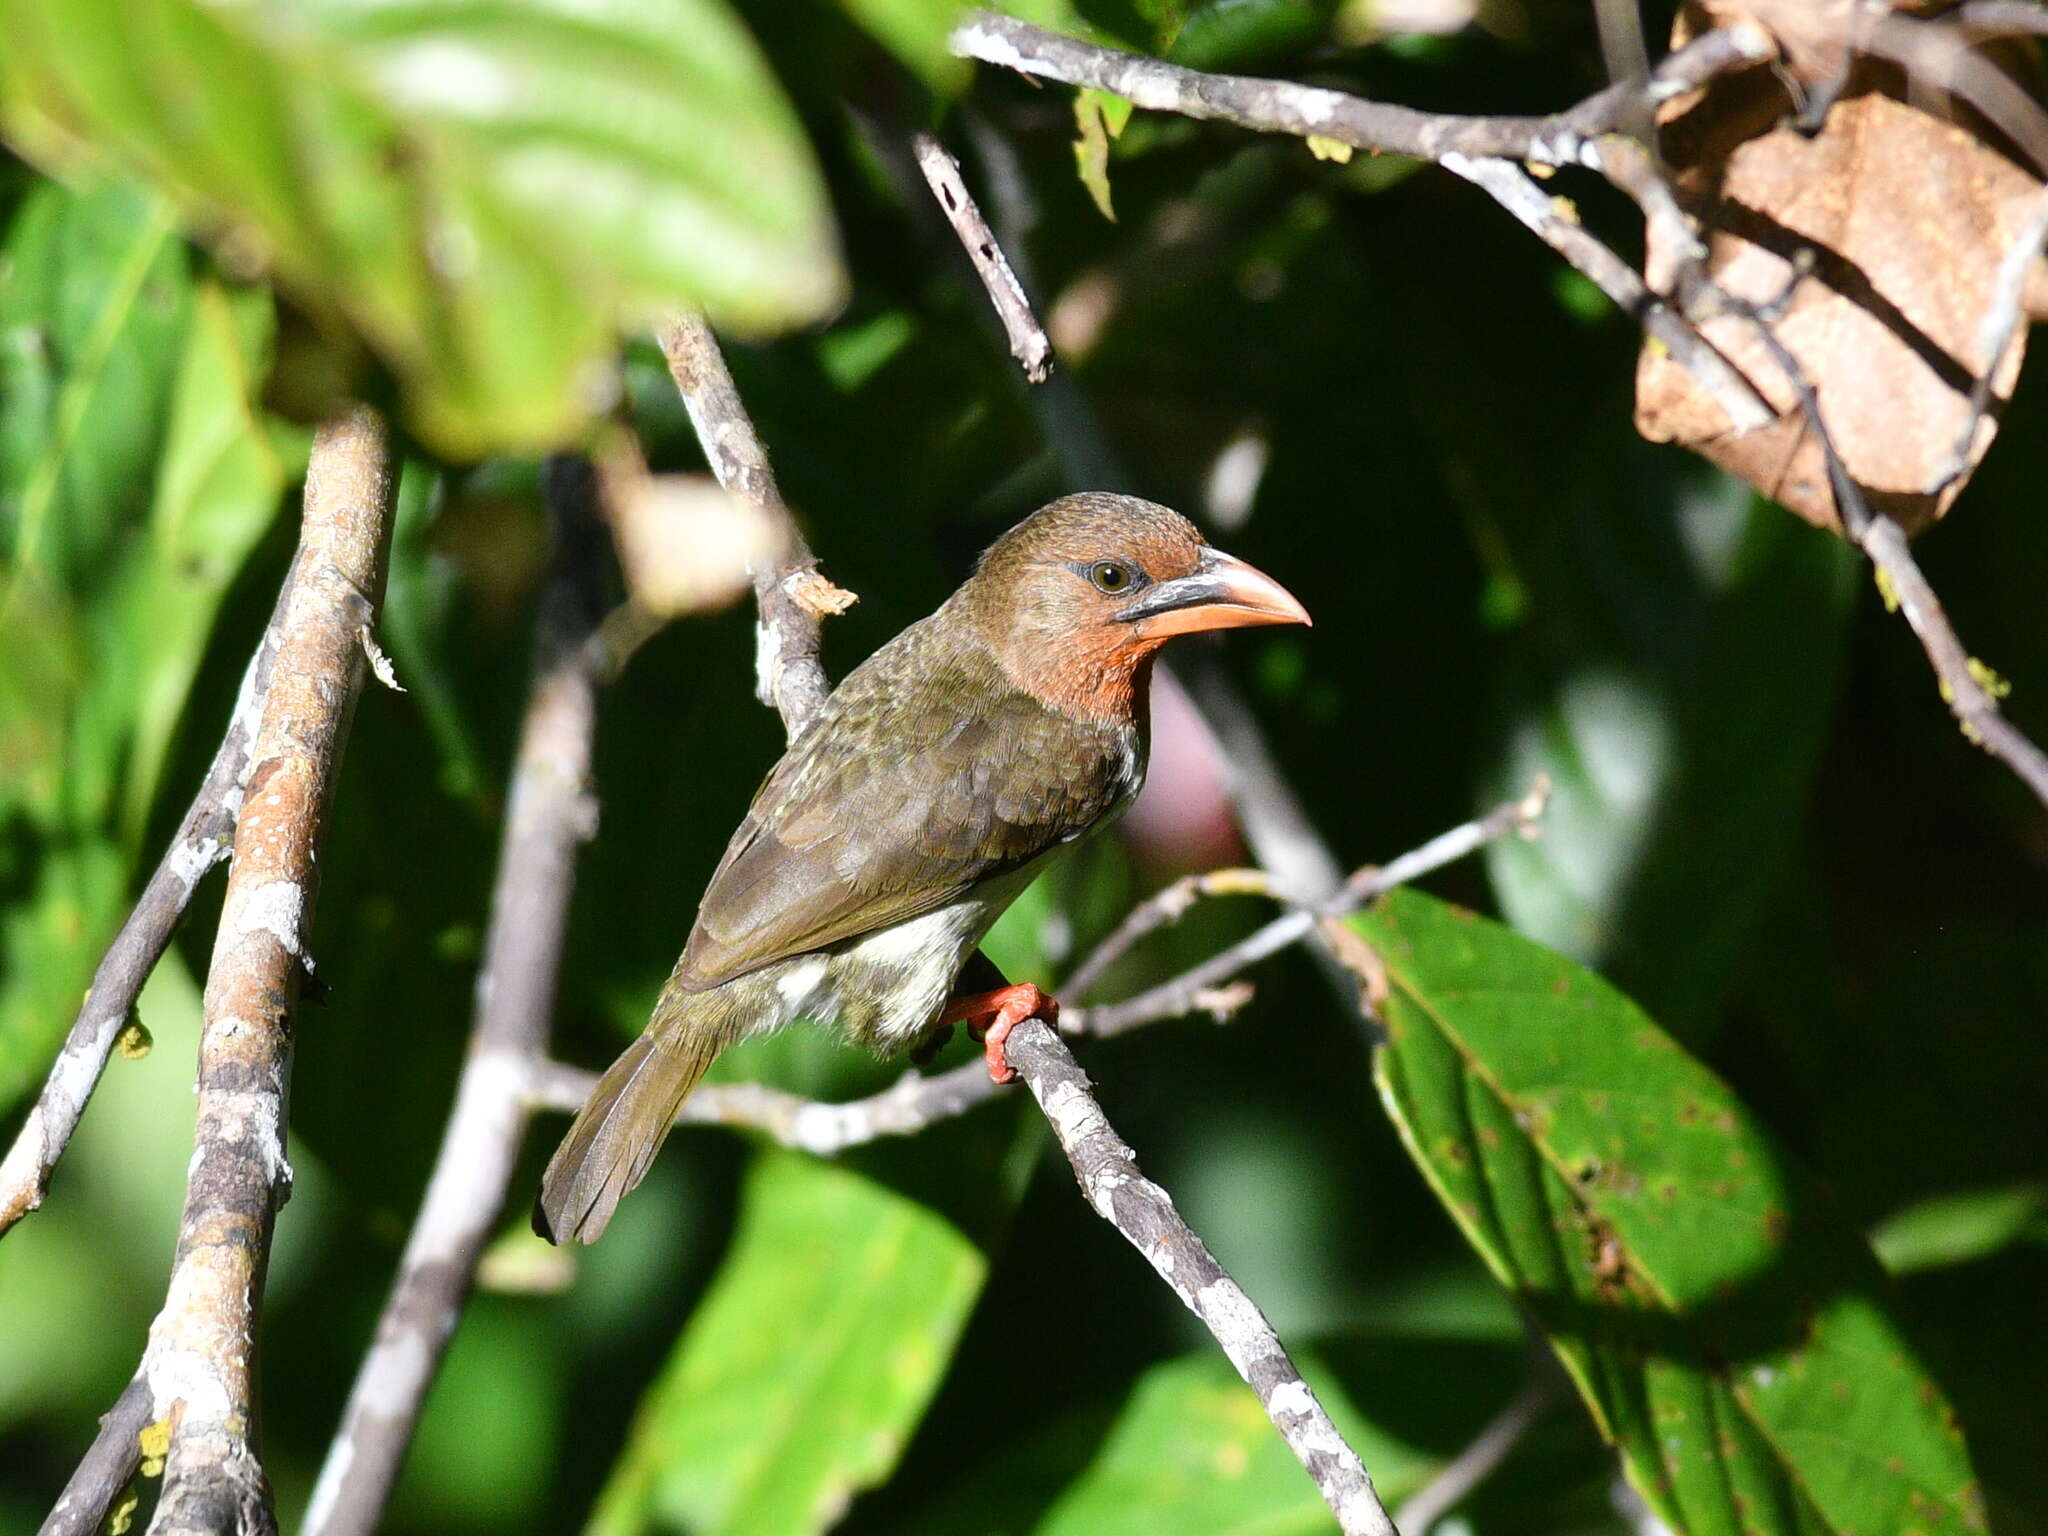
{"x": 915, "y": 31}
{"x": 1193, "y": 1454}
{"x": 485, "y": 192}
{"x": 800, "y": 1377}
{"x": 136, "y": 475}
{"x": 218, "y": 485}
{"x": 1961, "y": 1228}
{"x": 1091, "y": 147}
{"x": 1727, "y": 1333}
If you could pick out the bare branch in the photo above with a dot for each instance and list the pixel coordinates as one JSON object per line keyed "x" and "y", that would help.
{"x": 107, "y": 1467}
{"x": 1107, "y": 1170}
{"x": 200, "y": 1361}
{"x": 1510, "y": 186}
{"x": 1283, "y": 106}
{"x": 2003, "y": 317}
{"x": 1483, "y": 150}
{"x": 793, "y": 597}
{"x": 204, "y": 838}
{"x": 1968, "y": 687}
{"x": 1027, "y": 338}
{"x": 2009, "y": 18}
{"x": 1479, "y": 1460}
{"x": 548, "y": 814}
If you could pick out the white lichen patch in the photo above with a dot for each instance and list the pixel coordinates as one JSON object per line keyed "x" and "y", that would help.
{"x": 1239, "y": 1326}
{"x": 277, "y": 908}
{"x": 189, "y": 861}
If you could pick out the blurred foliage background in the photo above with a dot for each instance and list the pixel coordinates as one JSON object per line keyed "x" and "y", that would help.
{"x": 1361, "y": 376}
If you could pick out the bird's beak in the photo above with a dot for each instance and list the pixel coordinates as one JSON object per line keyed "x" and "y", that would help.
{"x": 1221, "y": 593}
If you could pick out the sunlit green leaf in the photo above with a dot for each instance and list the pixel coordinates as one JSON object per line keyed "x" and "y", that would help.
{"x": 915, "y": 31}
{"x": 1193, "y": 1454}
{"x": 807, "y": 1365}
{"x": 1960, "y": 1228}
{"x": 1726, "y": 1332}
{"x": 484, "y": 191}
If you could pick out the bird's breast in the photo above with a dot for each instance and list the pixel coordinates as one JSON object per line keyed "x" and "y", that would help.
{"x": 885, "y": 988}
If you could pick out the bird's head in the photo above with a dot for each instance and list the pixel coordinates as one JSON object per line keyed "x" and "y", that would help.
{"x": 1075, "y": 599}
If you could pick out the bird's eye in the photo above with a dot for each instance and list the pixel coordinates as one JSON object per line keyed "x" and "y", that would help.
{"x": 1110, "y": 576}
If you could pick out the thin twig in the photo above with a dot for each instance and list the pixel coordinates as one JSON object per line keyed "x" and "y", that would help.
{"x": 792, "y": 596}
{"x": 1482, "y": 150}
{"x": 107, "y": 1467}
{"x": 204, "y": 838}
{"x": 1107, "y": 1170}
{"x": 1159, "y": 910}
{"x": 1027, "y": 338}
{"x": 2011, "y": 18}
{"x": 2003, "y": 317}
{"x": 1478, "y": 1461}
{"x": 1509, "y": 185}
{"x": 548, "y": 815}
{"x": 915, "y": 1101}
{"x": 200, "y": 1359}
{"x": 1968, "y": 687}
{"x": 1284, "y": 106}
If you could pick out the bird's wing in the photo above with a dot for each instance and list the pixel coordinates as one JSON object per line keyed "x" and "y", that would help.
{"x": 926, "y": 773}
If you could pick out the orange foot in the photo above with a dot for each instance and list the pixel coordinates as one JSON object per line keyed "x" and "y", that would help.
{"x": 990, "y": 1016}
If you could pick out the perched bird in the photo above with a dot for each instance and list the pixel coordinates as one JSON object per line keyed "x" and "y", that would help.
{"x": 929, "y": 790}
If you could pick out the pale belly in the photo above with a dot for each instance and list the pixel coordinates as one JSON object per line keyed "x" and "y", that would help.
{"x": 885, "y": 989}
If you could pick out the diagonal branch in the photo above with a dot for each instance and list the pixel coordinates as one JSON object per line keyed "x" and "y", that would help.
{"x": 1027, "y": 338}
{"x": 204, "y": 838}
{"x": 793, "y": 597}
{"x": 548, "y": 814}
{"x": 1107, "y": 1170}
{"x": 108, "y": 1466}
{"x": 200, "y": 1364}
{"x": 1969, "y": 688}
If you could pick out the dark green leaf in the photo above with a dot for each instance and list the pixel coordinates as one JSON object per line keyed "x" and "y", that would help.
{"x": 1725, "y": 1331}
{"x": 484, "y": 191}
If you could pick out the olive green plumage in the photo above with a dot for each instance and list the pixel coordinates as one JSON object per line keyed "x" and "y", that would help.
{"x": 911, "y": 811}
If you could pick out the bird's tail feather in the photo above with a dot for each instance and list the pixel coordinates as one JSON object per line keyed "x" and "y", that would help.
{"x": 618, "y": 1131}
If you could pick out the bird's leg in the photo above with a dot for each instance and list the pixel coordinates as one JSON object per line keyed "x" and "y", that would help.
{"x": 990, "y": 1016}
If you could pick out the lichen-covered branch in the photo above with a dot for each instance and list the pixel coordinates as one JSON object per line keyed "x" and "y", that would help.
{"x": 1487, "y": 151}
{"x": 548, "y": 815}
{"x": 108, "y": 1466}
{"x": 204, "y": 838}
{"x": 1285, "y": 106}
{"x": 1107, "y": 1170}
{"x": 1028, "y": 341}
{"x": 200, "y": 1362}
{"x": 792, "y": 596}
{"x": 1969, "y": 688}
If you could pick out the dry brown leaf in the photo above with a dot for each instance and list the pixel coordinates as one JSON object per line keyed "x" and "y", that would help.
{"x": 1908, "y": 216}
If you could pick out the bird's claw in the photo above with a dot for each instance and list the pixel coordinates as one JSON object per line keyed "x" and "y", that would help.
{"x": 990, "y": 1016}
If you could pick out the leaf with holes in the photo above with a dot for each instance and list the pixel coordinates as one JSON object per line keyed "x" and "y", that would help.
{"x": 1725, "y": 1330}
{"x": 483, "y": 192}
